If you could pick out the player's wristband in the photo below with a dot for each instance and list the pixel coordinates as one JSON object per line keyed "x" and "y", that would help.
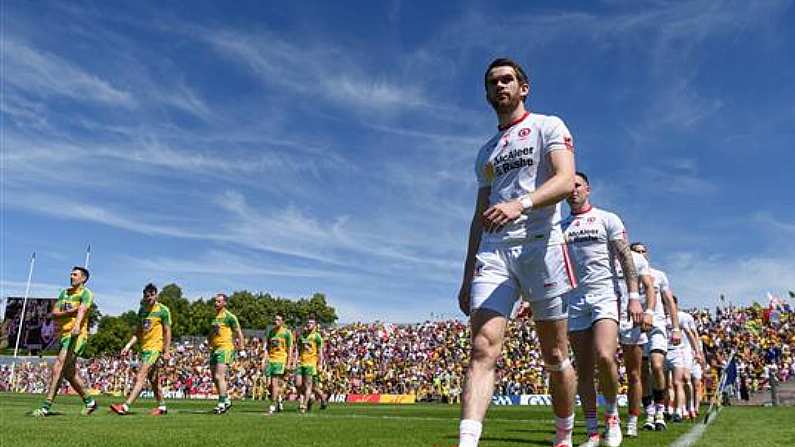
{"x": 634, "y": 296}
{"x": 676, "y": 329}
{"x": 526, "y": 202}
{"x": 649, "y": 312}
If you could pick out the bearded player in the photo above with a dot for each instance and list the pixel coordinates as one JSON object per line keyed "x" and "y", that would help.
{"x": 516, "y": 247}
{"x": 70, "y": 311}
{"x": 597, "y": 242}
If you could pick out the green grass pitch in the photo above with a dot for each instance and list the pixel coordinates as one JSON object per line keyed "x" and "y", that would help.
{"x": 189, "y": 423}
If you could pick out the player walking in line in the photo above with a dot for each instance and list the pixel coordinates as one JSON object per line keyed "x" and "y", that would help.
{"x": 154, "y": 338}
{"x": 70, "y": 312}
{"x": 223, "y": 348}
{"x": 278, "y": 358}
{"x": 696, "y": 376}
{"x": 679, "y": 362}
{"x": 633, "y": 328}
{"x": 516, "y": 247}
{"x": 310, "y": 352}
{"x": 657, "y": 346}
{"x": 597, "y": 242}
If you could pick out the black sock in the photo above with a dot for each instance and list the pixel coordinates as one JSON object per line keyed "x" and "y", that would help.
{"x": 659, "y": 396}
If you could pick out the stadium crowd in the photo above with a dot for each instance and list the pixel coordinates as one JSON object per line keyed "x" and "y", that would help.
{"x": 429, "y": 359}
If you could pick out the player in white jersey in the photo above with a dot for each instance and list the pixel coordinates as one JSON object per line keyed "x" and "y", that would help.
{"x": 679, "y": 363}
{"x": 696, "y": 375}
{"x": 633, "y": 328}
{"x": 597, "y": 242}
{"x": 516, "y": 247}
{"x": 657, "y": 346}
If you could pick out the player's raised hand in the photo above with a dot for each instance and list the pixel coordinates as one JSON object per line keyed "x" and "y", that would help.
{"x": 501, "y": 214}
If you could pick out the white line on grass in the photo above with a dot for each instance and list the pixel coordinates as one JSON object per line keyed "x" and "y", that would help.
{"x": 693, "y": 435}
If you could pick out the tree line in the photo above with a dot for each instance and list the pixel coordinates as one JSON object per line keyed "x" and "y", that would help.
{"x": 192, "y": 318}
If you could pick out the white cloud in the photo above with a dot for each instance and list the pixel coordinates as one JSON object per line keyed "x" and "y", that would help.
{"x": 45, "y": 74}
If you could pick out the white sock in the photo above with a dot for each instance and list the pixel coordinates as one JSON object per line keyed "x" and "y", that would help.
{"x": 469, "y": 433}
{"x": 125, "y": 407}
{"x": 650, "y": 410}
{"x": 633, "y": 419}
{"x": 564, "y": 426}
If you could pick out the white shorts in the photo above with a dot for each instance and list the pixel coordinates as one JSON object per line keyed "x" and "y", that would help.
{"x": 588, "y": 306}
{"x": 679, "y": 358}
{"x": 540, "y": 273}
{"x": 696, "y": 372}
{"x": 628, "y": 333}
{"x": 658, "y": 341}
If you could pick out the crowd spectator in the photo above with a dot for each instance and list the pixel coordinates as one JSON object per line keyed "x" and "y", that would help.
{"x": 429, "y": 359}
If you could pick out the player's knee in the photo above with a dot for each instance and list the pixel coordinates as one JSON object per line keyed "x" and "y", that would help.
{"x": 604, "y": 358}
{"x": 634, "y": 377}
{"x": 557, "y": 362}
{"x": 485, "y": 348}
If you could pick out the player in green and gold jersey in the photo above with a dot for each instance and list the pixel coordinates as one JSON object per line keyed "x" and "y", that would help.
{"x": 71, "y": 313}
{"x": 310, "y": 356}
{"x": 278, "y": 360}
{"x": 154, "y": 337}
{"x": 223, "y": 348}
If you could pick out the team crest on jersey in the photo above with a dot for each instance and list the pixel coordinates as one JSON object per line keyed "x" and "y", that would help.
{"x": 569, "y": 143}
{"x": 591, "y": 219}
{"x": 216, "y": 328}
{"x": 147, "y": 324}
{"x": 524, "y": 133}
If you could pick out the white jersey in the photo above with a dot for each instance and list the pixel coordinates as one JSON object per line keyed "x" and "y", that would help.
{"x": 660, "y": 285}
{"x": 588, "y": 235}
{"x": 514, "y": 162}
{"x": 685, "y": 322}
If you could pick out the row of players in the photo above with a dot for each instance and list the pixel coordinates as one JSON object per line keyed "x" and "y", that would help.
{"x": 585, "y": 285}
{"x": 153, "y": 335}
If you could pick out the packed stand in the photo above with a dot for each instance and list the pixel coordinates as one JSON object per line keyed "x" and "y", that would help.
{"x": 429, "y": 359}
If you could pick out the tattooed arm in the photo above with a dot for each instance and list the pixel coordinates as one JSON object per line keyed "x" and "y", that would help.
{"x": 621, "y": 248}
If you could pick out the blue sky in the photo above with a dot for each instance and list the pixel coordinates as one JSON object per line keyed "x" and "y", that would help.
{"x": 297, "y": 147}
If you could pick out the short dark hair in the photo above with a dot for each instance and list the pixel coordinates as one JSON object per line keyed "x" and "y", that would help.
{"x": 584, "y": 177}
{"x": 635, "y": 244}
{"x": 82, "y": 270}
{"x": 226, "y": 298}
{"x": 150, "y": 288}
{"x": 676, "y": 300}
{"x": 521, "y": 75}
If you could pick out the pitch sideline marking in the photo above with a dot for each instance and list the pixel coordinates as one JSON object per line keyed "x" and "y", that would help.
{"x": 695, "y": 433}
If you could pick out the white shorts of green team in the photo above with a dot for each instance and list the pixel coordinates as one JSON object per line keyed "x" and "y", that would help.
{"x": 591, "y": 303}
{"x": 628, "y": 332}
{"x": 679, "y": 357}
{"x": 535, "y": 271}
